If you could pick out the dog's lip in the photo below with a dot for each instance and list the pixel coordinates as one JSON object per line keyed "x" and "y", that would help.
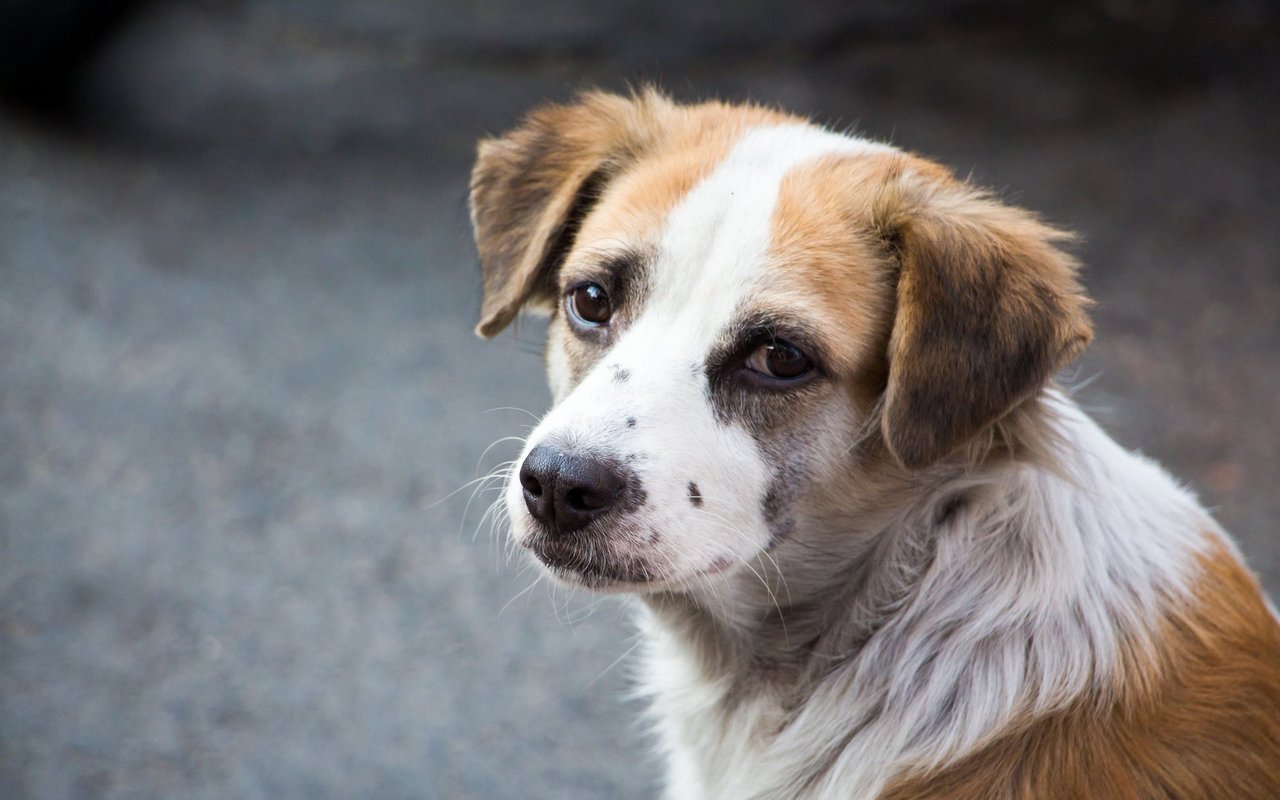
{"x": 553, "y": 553}
{"x": 566, "y": 558}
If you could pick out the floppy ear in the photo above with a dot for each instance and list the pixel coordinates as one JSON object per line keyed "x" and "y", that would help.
{"x": 988, "y": 309}
{"x": 531, "y": 189}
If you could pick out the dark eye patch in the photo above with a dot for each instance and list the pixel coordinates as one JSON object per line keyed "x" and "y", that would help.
{"x": 741, "y": 340}
{"x": 623, "y": 276}
{"x": 740, "y": 393}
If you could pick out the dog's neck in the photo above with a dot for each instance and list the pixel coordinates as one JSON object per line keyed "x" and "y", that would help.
{"x": 940, "y": 617}
{"x": 813, "y": 602}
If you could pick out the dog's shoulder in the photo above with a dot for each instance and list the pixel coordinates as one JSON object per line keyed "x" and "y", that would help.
{"x": 1199, "y": 721}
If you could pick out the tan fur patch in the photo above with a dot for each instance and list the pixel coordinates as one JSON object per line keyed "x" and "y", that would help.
{"x": 830, "y": 264}
{"x": 1201, "y": 722}
{"x": 695, "y": 140}
{"x": 953, "y": 306}
{"x": 988, "y": 308}
{"x": 530, "y": 189}
{"x": 533, "y": 188}
{"x": 633, "y": 209}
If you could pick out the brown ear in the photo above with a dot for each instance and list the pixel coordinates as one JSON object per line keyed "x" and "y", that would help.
{"x": 531, "y": 189}
{"x": 988, "y": 310}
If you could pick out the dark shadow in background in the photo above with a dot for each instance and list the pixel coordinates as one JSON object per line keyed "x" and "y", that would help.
{"x": 46, "y": 46}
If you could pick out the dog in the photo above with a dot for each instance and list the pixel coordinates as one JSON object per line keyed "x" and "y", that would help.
{"x": 805, "y": 412}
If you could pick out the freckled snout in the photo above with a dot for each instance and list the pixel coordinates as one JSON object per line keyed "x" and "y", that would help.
{"x": 566, "y": 491}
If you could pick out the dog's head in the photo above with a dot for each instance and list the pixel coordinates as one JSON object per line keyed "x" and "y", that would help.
{"x": 747, "y": 313}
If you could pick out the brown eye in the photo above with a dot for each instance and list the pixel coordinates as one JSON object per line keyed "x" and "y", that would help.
{"x": 780, "y": 359}
{"x": 589, "y": 303}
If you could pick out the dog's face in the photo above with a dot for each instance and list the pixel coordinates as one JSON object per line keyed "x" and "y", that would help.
{"x": 748, "y": 313}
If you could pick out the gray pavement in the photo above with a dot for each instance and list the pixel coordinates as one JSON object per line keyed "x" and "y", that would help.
{"x": 240, "y": 402}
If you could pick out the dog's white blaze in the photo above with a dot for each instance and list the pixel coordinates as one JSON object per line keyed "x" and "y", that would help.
{"x": 713, "y": 250}
{"x": 716, "y": 240}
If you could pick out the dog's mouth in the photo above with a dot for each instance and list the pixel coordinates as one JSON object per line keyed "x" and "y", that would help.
{"x": 598, "y": 566}
{"x": 593, "y": 566}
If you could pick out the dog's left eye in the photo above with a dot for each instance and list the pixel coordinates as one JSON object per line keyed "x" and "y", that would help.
{"x": 589, "y": 304}
{"x": 780, "y": 359}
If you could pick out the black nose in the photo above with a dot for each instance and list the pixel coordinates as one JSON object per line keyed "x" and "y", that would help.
{"x": 565, "y": 491}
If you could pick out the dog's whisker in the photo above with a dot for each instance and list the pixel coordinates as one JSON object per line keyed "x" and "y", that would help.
{"x": 499, "y": 475}
{"x": 724, "y": 524}
{"x": 493, "y": 515}
{"x": 495, "y": 443}
{"x": 526, "y": 412}
{"x": 522, "y": 593}
{"x": 489, "y": 476}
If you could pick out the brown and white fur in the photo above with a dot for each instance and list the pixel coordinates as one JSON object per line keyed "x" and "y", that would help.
{"x": 919, "y": 571}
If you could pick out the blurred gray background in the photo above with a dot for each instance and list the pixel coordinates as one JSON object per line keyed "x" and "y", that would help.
{"x": 239, "y": 389}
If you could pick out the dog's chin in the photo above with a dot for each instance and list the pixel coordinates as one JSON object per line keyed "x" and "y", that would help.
{"x": 596, "y": 568}
{"x": 600, "y": 569}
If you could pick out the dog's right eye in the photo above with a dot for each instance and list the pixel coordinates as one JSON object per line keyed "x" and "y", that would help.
{"x": 779, "y": 360}
{"x": 589, "y": 305}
